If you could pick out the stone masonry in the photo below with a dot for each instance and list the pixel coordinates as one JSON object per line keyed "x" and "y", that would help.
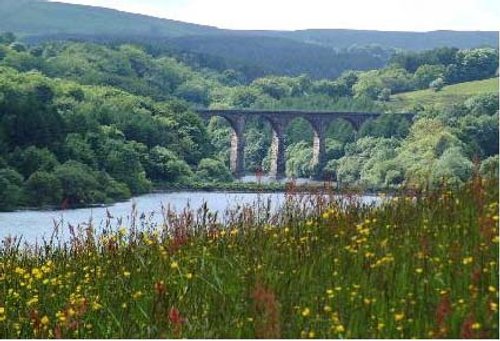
{"x": 279, "y": 120}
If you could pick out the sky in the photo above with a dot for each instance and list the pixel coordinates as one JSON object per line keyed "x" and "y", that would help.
{"x": 392, "y": 15}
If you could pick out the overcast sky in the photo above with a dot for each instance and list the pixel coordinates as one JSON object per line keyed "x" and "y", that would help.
{"x": 396, "y": 15}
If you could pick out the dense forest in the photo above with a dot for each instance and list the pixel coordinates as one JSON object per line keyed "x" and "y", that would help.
{"x": 87, "y": 122}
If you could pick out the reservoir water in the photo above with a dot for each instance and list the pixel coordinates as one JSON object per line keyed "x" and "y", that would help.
{"x": 33, "y": 225}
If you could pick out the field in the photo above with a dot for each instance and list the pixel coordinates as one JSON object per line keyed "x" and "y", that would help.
{"x": 422, "y": 264}
{"x": 450, "y": 94}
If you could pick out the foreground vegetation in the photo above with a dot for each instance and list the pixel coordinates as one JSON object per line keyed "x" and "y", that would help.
{"x": 423, "y": 264}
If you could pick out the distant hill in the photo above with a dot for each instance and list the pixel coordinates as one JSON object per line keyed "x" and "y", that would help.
{"x": 456, "y": 93}
{"x": 318, "y": 53}
{"x": 281, "y": 55}
{"x": 39, "y": 17}
{"x": 339, "y": 38}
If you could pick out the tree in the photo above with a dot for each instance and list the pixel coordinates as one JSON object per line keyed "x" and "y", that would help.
{"x": 384, "y": 95}
{"x": 426, "y": 73}
{"x": 480, "y": 134}
{"x": 452, "y": 168}
{"x": 43, "y": 188}
{"x": 33, "y": 159}
{"x": 483, "y": 104}
{"x": 211, "y": 170}
{"x": 165, "y": 165}
{"x": 437, "y": 84}
{"x": 123, "y": 162}
{"x": 489, "y": 167}
{"x": 11, "y": 191}
{"x": 7, "y": 38}
{"x": 193, "y": 91}
{"x": 79, "y": 184}
{"x": 298, "y": 160}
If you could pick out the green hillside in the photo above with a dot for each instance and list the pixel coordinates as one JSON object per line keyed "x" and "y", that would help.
{"x": 39, "y": 17}
{"x": 456, "y": 93}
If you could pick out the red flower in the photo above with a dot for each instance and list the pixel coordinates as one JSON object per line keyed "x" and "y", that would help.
{"x": 175, "y": 317}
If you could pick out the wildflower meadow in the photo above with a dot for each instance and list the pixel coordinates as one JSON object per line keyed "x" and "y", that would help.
{"x": 421, "y": 264}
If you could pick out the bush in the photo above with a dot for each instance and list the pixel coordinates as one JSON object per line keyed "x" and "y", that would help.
{"x": 11, "y": 191}
{"x": 437, "y": 84}
{"x": 213, "y": 170}
{"x": 79, "y": 184}
{"x": 43, "y": 188}
{"x": 489, "y": 167}
{"x": 165, "y": 165}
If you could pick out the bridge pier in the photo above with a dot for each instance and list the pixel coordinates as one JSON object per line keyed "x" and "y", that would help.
{"x": 237, "y": 154}
{"x": 278, "y": 161}
{"x": 319, "y": 153}
{"x": 318, "y": 160}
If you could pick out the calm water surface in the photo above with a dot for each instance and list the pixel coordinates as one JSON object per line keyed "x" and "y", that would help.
{"x": 34, "y": 225}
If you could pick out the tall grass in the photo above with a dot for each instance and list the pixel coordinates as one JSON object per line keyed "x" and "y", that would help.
{"x": 418, "y": 265}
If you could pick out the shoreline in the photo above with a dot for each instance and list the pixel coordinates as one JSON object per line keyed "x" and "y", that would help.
{"x": 231, "y": 187}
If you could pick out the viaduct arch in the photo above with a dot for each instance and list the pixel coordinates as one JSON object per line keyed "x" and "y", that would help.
{"x": 279, "y": 120}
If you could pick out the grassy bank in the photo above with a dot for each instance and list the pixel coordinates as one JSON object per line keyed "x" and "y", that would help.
{"x": 450, "y": 94}
{"x": 424, "y": 265}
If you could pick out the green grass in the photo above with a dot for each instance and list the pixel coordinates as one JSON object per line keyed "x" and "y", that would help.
{"x": 451, "y": 94}
{"x": 423, "y": 265}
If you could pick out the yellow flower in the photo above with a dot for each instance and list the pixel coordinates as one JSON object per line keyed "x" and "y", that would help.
{"x": 45, "y": 320}
{"x": 2, "y": 310}
{"x": 339, "y": 328}
{"x": 37, "y": 273}
{"x": 467, "y": 260}
{"x": 32, "y": 301}
{"x": 311, "y": 334}
{"x": 137, "y": 295}
{"x": 126, "y": 273}
{"x": 19, "y": 271}
{"x": 327, "y": 308}
{"x": 399, "y": 317}
{"x": 306, "y": 312}
{"x": 174, "y": 265}
{"x": 189, "y": 275}
{"x": 71, "y": 312}
{"x": 492, "y": 289}
{"x": 419, "y": 270}
{"x": 380, "y": 326}
{"x": 60, "y": 316}
{"x": 476, "y": 326}
{"x": 494, "y": 307}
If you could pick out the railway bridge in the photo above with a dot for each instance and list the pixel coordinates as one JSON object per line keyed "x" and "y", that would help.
{"x": 279, "y": 120}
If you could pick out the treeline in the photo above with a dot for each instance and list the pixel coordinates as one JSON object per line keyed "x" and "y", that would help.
{"x": 64, "y": 142}
{"x": 84, "y": 123}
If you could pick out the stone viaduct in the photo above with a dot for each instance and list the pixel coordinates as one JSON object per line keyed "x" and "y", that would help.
{"x": 279, "y": 120}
